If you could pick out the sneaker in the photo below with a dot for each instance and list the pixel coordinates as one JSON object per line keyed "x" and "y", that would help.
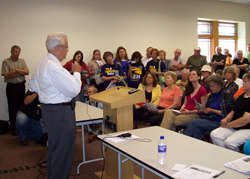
{"x": 24, "y": 142}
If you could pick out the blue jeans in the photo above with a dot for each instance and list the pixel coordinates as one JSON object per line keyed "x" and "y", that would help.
{"x": 27, "y": 127}
{"x": 198, "y": 126}
{"x": 247, "y": 148}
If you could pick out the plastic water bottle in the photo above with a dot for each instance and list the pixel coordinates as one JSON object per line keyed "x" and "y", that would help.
{"x": 162, "y": 149}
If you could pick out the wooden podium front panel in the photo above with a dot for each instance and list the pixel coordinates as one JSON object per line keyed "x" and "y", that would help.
{"x": 118, "y": 104}
{"x": 118, "y": 97}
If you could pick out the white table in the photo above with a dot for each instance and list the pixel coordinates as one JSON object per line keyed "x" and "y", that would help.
{"x": 85, "y": 115}
{"x": 181, "y": 149}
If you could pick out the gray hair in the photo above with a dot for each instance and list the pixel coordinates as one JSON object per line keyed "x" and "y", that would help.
{"x": 238, "y": 52}
{"x": 185, "y": 70}
{"x": 95, "y": 90}
{"x": 15, "y": 47}
{"x": 197, "y": 48}
{"x": 55, "y": 39}
{"x": 217, "y": 79}
{"x": 217, "y": 48}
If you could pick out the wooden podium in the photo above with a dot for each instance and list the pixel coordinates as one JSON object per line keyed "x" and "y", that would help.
{"x": 118, "y": 104}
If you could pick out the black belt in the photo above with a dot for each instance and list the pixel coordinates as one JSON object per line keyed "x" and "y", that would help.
{"x": 71, "y": 103}
{"x": 15, "y": 84}
{"x": 61, "y": 104}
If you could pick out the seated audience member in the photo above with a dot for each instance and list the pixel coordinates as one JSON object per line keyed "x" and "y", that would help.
{"x": 152, "y": 95}
{"x": 246, "y": 148}
{"x": 135, "y": 70}
{"x": 91, "y": 91}
{"x": 94, "y": 66}
{"x": 212, "y": 65}
{"x": 219, "y": 59}
{"x": 206, "y": 73}
{"x": 148, "y": 57}
{"x": 238, "y": 93}
{"x": 182, "y": 83}
{"x": 194, "y": 91}
{"x": 110, "y": 69}
{"x": 241, "y": 62}
{"x": 78, "y": 56}
{"x": 155, "y": 65}
{"x": 238, "y": 81}
{"x": 219, "y": 105}
{"x": 235, "y": 127}
{"x": 170, "y": 99}
{"x": 196, "y": 60}
{"x": 230, "y": 75}
{"x": 229, "y": 60}
{"x": 28, "y": 119}
{"x": 177, "y": 64}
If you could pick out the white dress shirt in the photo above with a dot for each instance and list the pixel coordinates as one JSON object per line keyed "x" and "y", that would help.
{"x": 145, "y": 60}
{"x": 54, "y": 83}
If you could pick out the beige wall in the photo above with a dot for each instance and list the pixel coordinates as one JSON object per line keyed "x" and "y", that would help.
{"x": 134, "y": 24}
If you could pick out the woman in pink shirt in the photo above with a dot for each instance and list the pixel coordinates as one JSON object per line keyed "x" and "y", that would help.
{"x": 170, "y": 99}
{"x": 188, "y": 112}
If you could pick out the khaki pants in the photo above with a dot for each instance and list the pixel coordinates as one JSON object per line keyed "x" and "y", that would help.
{"x": 172, "y": 119}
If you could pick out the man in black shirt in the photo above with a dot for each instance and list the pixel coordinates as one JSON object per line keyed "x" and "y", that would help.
{"x": 219, "y": 59}
{"x": 28, "y": 119}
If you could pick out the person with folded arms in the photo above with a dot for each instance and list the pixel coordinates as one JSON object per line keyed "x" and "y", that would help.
{"x": 14, "y": 70}
{"x": 241, "y": 62}
{"x": 235, "y": 127}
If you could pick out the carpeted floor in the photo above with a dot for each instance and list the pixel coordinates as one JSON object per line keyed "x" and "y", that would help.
{"x": 20, "y": 162}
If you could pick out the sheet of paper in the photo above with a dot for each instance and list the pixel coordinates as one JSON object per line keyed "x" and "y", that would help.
{"x": 151, "y": 106}
{"x": 177, "y": 111}
{"x": 199, "y": 105}
{"x": 114, "y": 139}
{"x": 178, "y": 167}
{"x": 196, "y": 172}
{"x": 241, "y": 165}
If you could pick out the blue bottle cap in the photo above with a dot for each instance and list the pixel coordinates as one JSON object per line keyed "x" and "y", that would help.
{"x": 162, "y": 137}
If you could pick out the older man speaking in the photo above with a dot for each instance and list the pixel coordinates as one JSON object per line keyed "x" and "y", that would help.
{"x": 56, "y": 88}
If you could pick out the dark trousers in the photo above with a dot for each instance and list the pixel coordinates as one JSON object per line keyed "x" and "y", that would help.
{"x": 153, "y": 117}
{"x": 61, "y": 126}
{"x": 15, "y": 94}
{"x": 138, "y": 114}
